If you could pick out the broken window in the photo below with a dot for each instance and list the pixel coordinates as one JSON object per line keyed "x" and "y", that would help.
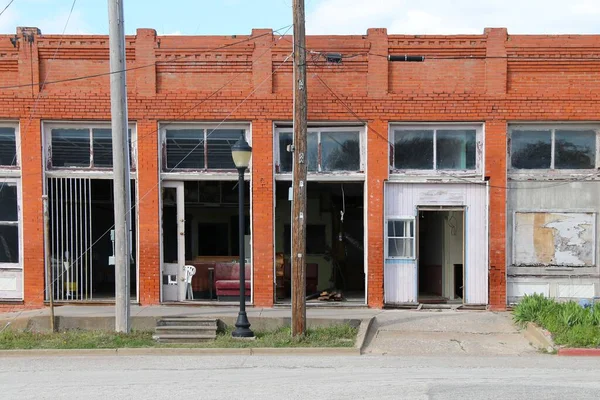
{"x": 200, "y": 149}
{"x": 435, "y": 149}
{"x": 9, "y": 223}
{"x": 547, "y": 148}
{"x": 400, "y": 238}
{"x": 83, "y": 147}
{"x": 328, "y": 150}
{"x": 8, "y": 147}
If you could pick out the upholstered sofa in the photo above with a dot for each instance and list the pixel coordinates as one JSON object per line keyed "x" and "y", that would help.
{"x": 227, "y": 281}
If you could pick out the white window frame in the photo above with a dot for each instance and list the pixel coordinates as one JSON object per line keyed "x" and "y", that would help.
{"x": 318, "y": 129}
{"x": 200, "y": 174}
{"x": 404, "y": 219}
{"x": 6, "y": 170}
{"x": 47, "y": 130}
{"x": 434, "y": 171}
{"x": 19, "y": 264}
{"x": 552, "y": 127}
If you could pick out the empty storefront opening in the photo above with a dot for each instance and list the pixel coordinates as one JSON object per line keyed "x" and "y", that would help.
{"x": 208, "y": 239}
{"x": 441, "y": 255}
{"x": 334, "y": 242}
{"x": 82, "y": 240}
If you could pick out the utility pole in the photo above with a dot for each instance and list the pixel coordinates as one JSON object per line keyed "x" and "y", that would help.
{"x": 120, "y": 147}
{"x": 299, "y": 183}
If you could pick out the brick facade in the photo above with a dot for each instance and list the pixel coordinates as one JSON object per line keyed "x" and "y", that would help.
{"x": 493, "y": 78}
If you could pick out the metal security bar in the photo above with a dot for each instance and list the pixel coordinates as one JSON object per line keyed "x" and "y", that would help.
{"x": 71, "y": 238}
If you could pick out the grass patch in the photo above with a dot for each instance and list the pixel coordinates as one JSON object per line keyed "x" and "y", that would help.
{"x": 569, "y": 323}
{"x": 332, "y": 336}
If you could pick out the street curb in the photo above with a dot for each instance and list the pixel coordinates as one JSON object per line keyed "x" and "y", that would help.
{"x": 539, "y": 338}
{"x": 361, "y": 336}
{"x": 180, "y": 351}
{"x": 579, "y": 352}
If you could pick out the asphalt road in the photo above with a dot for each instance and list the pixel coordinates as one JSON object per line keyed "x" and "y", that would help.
{"x": 296, "y": 377}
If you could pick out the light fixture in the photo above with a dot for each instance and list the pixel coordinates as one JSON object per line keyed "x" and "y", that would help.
{"x": 241, "y": 153}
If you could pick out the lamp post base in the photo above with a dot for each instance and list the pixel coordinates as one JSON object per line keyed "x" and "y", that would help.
{"x": 242, "y": 327}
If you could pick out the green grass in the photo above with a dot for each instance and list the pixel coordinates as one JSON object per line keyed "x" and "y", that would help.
{"x": 333, "y": 336}
{"x": 570, "y": 324}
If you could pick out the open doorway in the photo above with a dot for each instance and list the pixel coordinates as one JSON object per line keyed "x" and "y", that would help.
{"x": 82, "y": 247}
{"x": 200, "y": 228}
{"x": 441, "y": 248}
{"x": 334, "y": 243}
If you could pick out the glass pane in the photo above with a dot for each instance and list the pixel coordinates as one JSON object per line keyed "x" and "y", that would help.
{"x": 531, "y": 149}
{"x": 8, "y": 202}
{"x": 413, "y": 149}
{"x": 575, "y": 149}
{"x": 8, "y": 147}
{"x": 396, "y": 228}
{"x": 400, "y": 248}
{"x": 313, "y": 151}
{"x": 169, "y": 225}
{"x": 340, "y": 151}
{"x": 219, "y": 147}
{"x": 185, "y": 148}
{"x": 456, "y": 149}
{"x": 285, "y": 157}
{"x": 102, "y": 146}
{"x": 9, "y": 244}
{"x": 70, "y": 147}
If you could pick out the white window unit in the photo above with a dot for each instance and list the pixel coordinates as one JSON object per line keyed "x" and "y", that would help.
{"x": 400, "y": 240}
{"x": 83, "y": 146}
{"x": 330, "y": 150}
{"x": 553, "y": 148}
{"x": 436, "y": 149}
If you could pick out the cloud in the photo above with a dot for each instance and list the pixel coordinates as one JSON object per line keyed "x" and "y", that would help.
{"x": 453, "y": 17}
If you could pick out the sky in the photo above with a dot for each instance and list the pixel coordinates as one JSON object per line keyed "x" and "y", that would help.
{"x": 331, "y": 17}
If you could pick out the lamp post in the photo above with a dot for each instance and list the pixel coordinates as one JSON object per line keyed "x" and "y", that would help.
{"x": 241, "y": 153}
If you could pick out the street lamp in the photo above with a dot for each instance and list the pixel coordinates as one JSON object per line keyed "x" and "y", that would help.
{"x": 241, "y": 153}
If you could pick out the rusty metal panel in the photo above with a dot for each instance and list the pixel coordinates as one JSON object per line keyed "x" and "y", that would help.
{"x": 553, "y": 238}
{"x": 402, "y": 199}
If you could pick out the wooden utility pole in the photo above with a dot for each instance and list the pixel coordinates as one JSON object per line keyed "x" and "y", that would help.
{"x": 299, "y": 175}
{"x": 120, "y": 148}
{"x": 48, "y": 262}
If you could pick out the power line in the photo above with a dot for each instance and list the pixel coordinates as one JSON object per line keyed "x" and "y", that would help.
{"x": 4, "y": 9}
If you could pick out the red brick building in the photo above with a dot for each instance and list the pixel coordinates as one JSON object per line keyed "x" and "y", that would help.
{"x": 415, "y": 193}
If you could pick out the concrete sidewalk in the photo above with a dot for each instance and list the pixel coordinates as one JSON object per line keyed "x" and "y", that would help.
{"x": 442, "y": 333}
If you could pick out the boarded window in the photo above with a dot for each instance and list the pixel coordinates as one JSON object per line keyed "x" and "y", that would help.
{"x": 562, "y": 239}
{"x": 400, "y": 238}
{"x": 326, "y": 151}
{"x": 454, "y": 149}
{"x": 8, "y": 147}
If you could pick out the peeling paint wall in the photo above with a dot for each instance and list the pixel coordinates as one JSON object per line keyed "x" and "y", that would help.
{"x": 546, "y": 238}
{"x": 551, "y": 238}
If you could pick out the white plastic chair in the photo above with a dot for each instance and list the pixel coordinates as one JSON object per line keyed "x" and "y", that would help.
{"x": 190, "y": 271}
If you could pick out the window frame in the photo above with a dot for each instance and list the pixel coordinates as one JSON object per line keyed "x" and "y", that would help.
{"x": 18, "y": 266}
{"x": 479, "y": 129}
{"x": 48, "y": 126}
{"x": 552, "y": 127}
{"x": 17, "y": 166}
{"x": 405, "y": 219}
{"x": 206, "y": 126}
{"x": 319, "y": 129}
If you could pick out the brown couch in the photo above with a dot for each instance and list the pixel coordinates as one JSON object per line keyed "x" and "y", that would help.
{"x": 227, "y": 281}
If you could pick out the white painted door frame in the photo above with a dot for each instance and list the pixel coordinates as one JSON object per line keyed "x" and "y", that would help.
{"x": 173, "y": 273}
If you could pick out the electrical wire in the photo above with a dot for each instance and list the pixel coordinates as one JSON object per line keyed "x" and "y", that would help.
{"x": 5, "y": 8}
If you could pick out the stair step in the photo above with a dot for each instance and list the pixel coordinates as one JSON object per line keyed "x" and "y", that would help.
{"x": 186, "y": 329}
{"x": 175, "y": 321}
{"x": 183, "y": 338}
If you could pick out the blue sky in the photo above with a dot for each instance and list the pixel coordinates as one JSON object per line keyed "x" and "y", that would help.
{"x": 227, "y": 17}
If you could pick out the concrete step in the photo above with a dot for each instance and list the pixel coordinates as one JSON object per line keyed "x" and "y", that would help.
{"x": 183, "y": 338}
{"x": 184, "y": 329}
{"x": 186, "y": 321}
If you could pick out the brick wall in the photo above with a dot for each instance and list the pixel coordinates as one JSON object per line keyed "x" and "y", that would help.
{"x": 556, "y": 86}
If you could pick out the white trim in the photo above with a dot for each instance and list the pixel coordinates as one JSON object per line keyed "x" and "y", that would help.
{"x": 18, "y": 223}
{"x": 402, "y": 218}
{"x": 479, "y": 170}
{"x": 5, "y": 169}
